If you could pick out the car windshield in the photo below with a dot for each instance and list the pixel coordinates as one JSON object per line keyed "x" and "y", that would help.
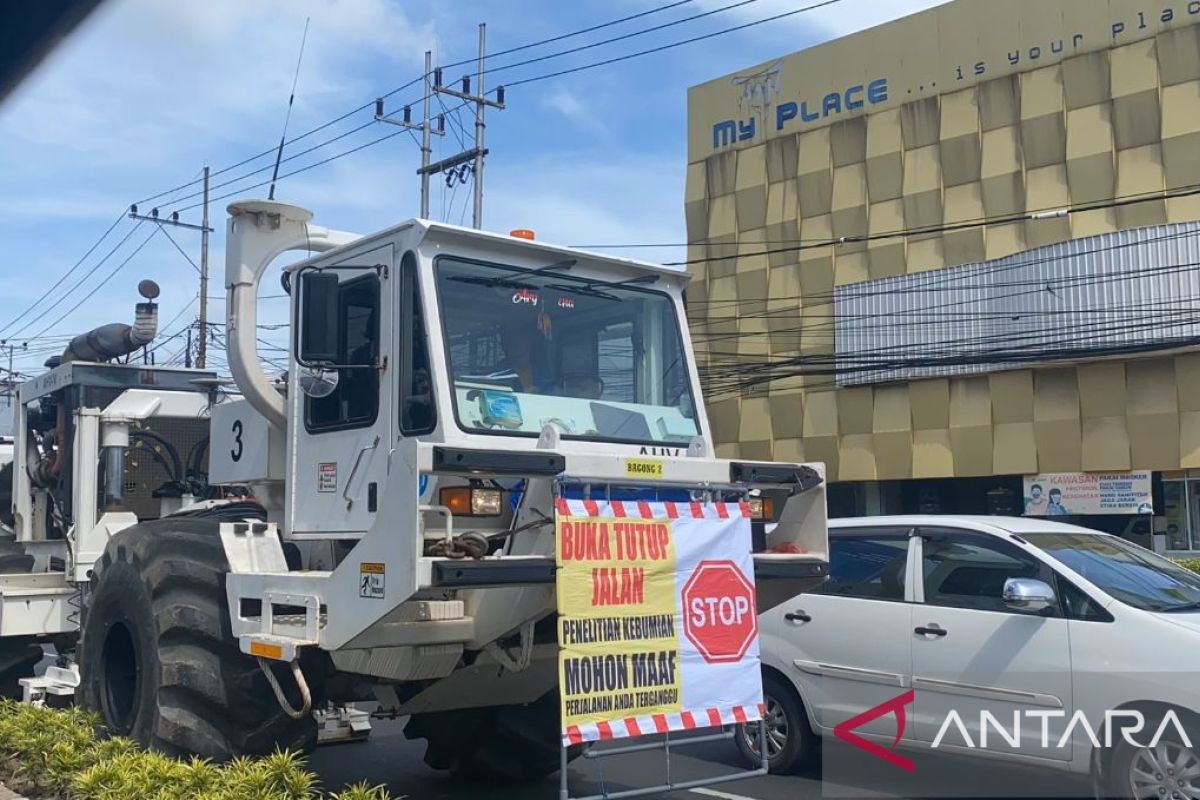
{"x": 601, "y": 360}
{"x": 1129, "y": 573}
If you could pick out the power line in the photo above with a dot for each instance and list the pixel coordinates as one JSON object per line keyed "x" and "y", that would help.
{"x": 623, "y": 37}
{"x": 946, "y": 279}
{"x": 100, "y": 285}
{"x": 66, "y": 274}
{"x": 391, "y": 93}
{"x": 532, "y": 79}
{"x": 671, "y": 45}
{"x": 182, "y": 252}
{"x": 572, "y": 34}
{"x": 78, "y": 283}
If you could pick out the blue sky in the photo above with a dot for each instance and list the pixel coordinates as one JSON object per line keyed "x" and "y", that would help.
{"x": 148, "y": 91}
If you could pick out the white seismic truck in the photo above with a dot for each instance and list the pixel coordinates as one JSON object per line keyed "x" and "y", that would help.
{"x": 374, "y": 522}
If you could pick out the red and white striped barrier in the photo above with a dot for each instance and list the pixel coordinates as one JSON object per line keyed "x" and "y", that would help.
{"x": 643, "y": 509}
{"x": 661, "y": 723}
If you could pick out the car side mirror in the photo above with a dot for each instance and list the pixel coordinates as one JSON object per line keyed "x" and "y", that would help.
{"x": 319, "y": 318}
{"x": 1028, "y": 594}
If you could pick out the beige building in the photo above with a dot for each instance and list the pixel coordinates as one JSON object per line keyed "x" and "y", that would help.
{"x": 964, "y": 135}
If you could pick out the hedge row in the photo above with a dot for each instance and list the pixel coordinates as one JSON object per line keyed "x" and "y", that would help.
{"x": 1189, "y": 563}
{"x": 60, "y": 754}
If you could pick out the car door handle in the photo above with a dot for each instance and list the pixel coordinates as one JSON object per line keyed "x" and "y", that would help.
{"x": 927, "y": 631}
{"x": 798, "y": 616}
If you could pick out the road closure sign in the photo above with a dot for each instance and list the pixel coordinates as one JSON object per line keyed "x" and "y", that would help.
{"x": 657, "y": 623}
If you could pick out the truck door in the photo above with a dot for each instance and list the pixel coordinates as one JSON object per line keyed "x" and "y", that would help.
{"x": 342, "y": 439}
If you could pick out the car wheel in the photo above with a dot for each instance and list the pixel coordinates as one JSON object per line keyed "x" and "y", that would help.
{"x": 791, "y": 743}
{"x": 1169, "y": 770}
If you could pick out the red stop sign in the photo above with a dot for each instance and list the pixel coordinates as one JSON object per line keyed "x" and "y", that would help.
{"x": 719, "y": 614}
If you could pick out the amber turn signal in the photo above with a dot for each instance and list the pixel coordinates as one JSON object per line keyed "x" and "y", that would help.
{"x": 761, "y": 508}
{"x": 472, "y": 501}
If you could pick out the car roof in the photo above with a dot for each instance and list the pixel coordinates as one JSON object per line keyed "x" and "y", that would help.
{"x": 983, "y": 524}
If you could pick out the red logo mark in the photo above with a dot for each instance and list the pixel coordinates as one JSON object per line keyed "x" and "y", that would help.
{"x": 719, "y": 614}
{"x": 844, "y": 731}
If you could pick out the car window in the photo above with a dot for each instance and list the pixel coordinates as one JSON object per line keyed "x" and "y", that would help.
{"x": 1077, "y": 604}
{"x": 968, "y": 570}
{"x": 867, "y": 565}
{"x": 1129, "y": 573}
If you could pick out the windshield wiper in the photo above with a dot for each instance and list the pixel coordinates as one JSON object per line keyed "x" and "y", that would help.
{"x": 1194, "y": 606}
{"x": 557, "y": 266}
{"x": 592, "y": 288}
{"x": 592, "y": 284}
{"x": 515, "y": 282}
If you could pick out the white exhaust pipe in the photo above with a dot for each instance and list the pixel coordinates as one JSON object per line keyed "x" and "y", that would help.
{"x": 259, "y": 231}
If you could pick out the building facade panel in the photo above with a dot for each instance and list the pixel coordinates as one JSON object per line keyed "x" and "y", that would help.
{"x": 981, "y": 178}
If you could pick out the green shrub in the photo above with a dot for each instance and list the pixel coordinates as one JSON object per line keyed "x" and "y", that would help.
{"x": 1189, "y": 563}
{"x": 55, "y": 753}
{"x": 361, "y": 791}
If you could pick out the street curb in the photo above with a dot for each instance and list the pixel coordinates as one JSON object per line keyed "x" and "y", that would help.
{"x": 9, "y": 794}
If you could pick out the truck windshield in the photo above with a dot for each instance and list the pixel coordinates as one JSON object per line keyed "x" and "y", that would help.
{"x": 1129, "y": 573}
{"x": 600, "y": 360}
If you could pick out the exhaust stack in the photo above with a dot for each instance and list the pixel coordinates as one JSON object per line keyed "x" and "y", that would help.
{"x": 118, "y": 339}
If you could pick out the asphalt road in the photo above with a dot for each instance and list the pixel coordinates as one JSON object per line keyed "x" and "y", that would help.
{"x": 389, "y": 759}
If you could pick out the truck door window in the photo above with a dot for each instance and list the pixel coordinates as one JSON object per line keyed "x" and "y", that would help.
{"x": 417, "y": 413}
{"x": 355, "y": 401}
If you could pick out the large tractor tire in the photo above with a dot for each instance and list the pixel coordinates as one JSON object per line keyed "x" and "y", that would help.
{"x": 157, "y": 655}
{"x": 502, "y": 743}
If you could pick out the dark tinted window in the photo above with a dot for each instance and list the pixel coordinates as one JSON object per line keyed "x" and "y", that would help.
{"x": 867, "y": 565}
{"x": 355, "y": 401}
{"x": 417, "y": 413}
{"x": 1129, "y": 573}
{"x": 1078, "y": 605}
{"x": 968, "y": 570}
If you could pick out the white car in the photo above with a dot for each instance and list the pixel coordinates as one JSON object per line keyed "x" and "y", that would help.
{"x": 1020, "y": 639}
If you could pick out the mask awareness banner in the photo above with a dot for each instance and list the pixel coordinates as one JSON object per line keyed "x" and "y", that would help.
{"x": 658, "y": 629}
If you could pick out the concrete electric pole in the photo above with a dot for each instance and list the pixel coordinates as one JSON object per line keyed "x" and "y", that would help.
{"x": 425, "y": 126}
{"x": 205, "y": 230}
{"x": 476, "y": 154}
{"x": 202, "y": 342}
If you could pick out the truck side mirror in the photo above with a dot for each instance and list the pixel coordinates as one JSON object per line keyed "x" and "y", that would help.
{"x": 319, "y": 318}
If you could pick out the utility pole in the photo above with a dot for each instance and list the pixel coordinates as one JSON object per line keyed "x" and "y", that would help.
{"x": 202, "y": 343}
{"x": 205, "y": 230}
{"x": 476, "y": 154}
{"x": 425, "y": 127}
{"x": 477, "y": 167}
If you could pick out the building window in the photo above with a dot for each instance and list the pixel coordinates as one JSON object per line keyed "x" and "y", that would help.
{"x": 1181, "y": 511}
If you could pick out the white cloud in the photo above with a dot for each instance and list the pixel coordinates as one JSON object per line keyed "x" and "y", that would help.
{"x": 149, "y": 87}
{"x": 567, "y": 103}
{"x": 144, "y": 93}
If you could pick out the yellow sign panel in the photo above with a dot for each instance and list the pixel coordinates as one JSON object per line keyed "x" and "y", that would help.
{"x": 643, "y": 468}
{"x": 617, "y": 631}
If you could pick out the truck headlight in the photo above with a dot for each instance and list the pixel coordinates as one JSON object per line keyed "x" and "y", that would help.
{"x": 472, "y": 501}
{"x": 761, "y": 508}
